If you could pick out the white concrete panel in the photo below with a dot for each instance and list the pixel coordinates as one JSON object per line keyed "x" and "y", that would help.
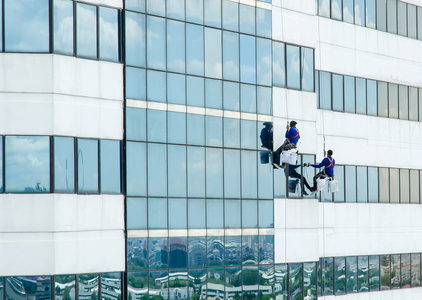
{"x": 301, "y": 213}
{"x": 301, "y": 245}
{"x": 299, "y": 28}
{"x": 279, "y": 213}
{"x": 113, "y": 3}
{"x": 279, "y": 246}
{"x": 302, "y": 6}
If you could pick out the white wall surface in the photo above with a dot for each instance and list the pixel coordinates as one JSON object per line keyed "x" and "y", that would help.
{"x": 61, "y": 234}
{"x": 47, "y": 94}
{"x": 113, "y": 3}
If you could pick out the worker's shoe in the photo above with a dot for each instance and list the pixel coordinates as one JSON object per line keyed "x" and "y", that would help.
{"x": 276, "y": 166}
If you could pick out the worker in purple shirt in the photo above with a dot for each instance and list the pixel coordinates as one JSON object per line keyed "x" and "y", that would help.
{"x": 328, "y": 163}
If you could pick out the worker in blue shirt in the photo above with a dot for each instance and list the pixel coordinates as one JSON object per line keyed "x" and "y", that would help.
{"x": 328, "y": 163}
{"x": 292, "y": 137}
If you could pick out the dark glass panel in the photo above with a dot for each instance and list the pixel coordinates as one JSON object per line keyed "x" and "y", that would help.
{"x": 178, "y": 254}
{"x": 137, "y": 254}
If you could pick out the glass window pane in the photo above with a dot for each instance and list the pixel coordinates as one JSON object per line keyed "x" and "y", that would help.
{"x": 382, "y": 15}
{"x": 156, "y": 86}
{"x": 411, "y": 21}
{"x": 176, "y": 171}
{"x": 266, "y": 247}
{"x": 384, "y": 184}
{"x": 213, "y": 93}
{"x": 263, "y": 22}
{"x": 213, "y": 53}
{"x": 176, "y": 127}
{"x": 231, "y": 173}
{"x": 382, "y": 99}
{"x": 265, "y": 181}
{"x": 157, "y": 213}
{"x": 248, "y": 98}
{"x": 339, "y": 175}
{"x": 195, "y": 11}
{"x": 324, "y": 8}
{"x": 156, "y": 120}
{"x": 404, "y": 186}
{"x": 371, "y": 97}
{"x": 402, "y": 18}
{"x": 308, "y": 69}
{"x": 350, "y": 184}
{"x": 419, "y": 23}
{"x": 178, "y": 257}
{"x": 420, "y": 101}
{"x": 248, "y": 138}
{"x": 156, "y": 7}
{"x": 195, "y": 91}
{"x": 249, "y": 214}
{"x": 295, "y": 275}
{"x": 328, "y": 276}
{"x": 361, "y": 96}
{"x": 337, "y": 93}
{"x": 63, "y": 26}
{"x": 176, "y": 46}
{"x": 309, "y": 276}
{"x": 88, "y": 286}
{"x": 136, "y": 171}
{"x": 215, "y": 214}
{"x": 135, "y": 39}
{"x": 176, "y": 89}
{"x": 64, "y": 164}
{"x": 247, "y": 18}
{"x": 340, "y": 275}
{"x": 351, "y": 271}
{"x": 214, "y": 172}
{"x": 349, "y": 94}
{"x": 247, "y": 59}
{"x": 175, "y": 9}
{"x": 158, "y": 259}
{"x": 26, "y": 26}
{"x": 325, "y": 90}
{"x": 136, "y": 119}
{"x": 279, "y": 66}
{"x": 86, "y": 30}
{"x": 64, "y": 286}
{"x": 232, "y": 218}
{"x": 392, "y": 16}
{"x": 266, "y": 214}
{"x": 195, "y": 129}
{"x": 231, "y": 96}
{"x": 212, "y": 13}
{"x": 157, "y": 170}
{"x": 336, "y": 9}
{"x": 177, "y": 214}
{"x": 414, "y": 186}
{"x": 250, "y": 249}
{"x": 194, "y": 47}
{"x": 264, "y": 99}
{"x": 87, "y": 166}
{"x": 263, "y": 64}
{"x": 249, "y": 174}
{"x": 413, "y": 104}
{"x": 405, "y": 271}
{"x": 136, "y": 5}
{"x": 360, "y": 12}
{"x": 415, "y": 269}
{"x": 214, "y": 131}
{"x": 363, "y": 268}
{"x": 196, "y": 215}
{"x": 197, "y": 257}
{"x": 156, "y": 43}
{"x": 394, "y": 186}
{"x": 403, "y": 102}
{"x": 135, "y": 83}
{"x": 370, "y": 13}
{"x": 395, "y": 271}
{"x": 348, "y": 11}
{"x": 293, "y": 67}
{"x": 231, "y": 133}
{"x": 110, "y": 167}
{"x": 230, "y": 55}
{"x": 136, "y": 217}
{"x": 362, "y": 181}
{"x": 374, "y": 273}
{"x": 109, "y": 34}
{"x": 373, "y": 184}
{"x": 281, "y": 280}
{"x": 230, "y": 15}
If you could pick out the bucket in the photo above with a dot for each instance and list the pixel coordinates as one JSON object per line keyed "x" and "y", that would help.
{"x": 320, "y": 184}
{"x": 264, "y": 157}
{"x": 289, "y": 157}
{"x": 333, "y": 186}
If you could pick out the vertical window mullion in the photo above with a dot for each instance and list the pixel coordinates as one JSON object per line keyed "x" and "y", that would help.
{"x": 99, "y": 165}
{"x": 51, "y": 25}
{"x": 4, "y": 165}
{"x": 2, "y": 33}
{"x": 75, "y": 17}
{"x": 97, "y": 9}
{"x": 52, "y": 179}
{"x": 76, "y": 161}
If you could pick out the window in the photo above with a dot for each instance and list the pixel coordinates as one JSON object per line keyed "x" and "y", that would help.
{"x": 135, "y": 39}
{"x": 176, "y": 164}
{"x": 214, "y": 131}
{"x": 215, "y": 214}
{"x": 110, "y": 167}
{"x": 402, "y": 18}
{"x": 157, "y": 169}
{"x": 137, "y": 210}
{"x": 195, "y": 11}
{"x": 340, "y": 275}
{"x": 382, "y": 99}
{"x": 232, "y": 217}
{"x": 175, "y": 9}
{"x": 338, "y": 96}
{"x": 231, "y": 173}
{"x": 384, "y": 184}
{"x": 336, "y": 9}
{"x": 328, "y": 276}
{"x": 395, "y": 271}
{"x": 293, "y": 66}
{"x": 350, "y": 183}
{"x": 231, "y": 133}
{"x": 194, "y": 47}
{"x": 263, "y": 22}
{"x": 371, "y": 97}
{"x": 392, "y": 16}
{"x": 339, "y": 175}
{"x": 249, "y": 214}
{"x": 176, "y": 128}
{"x": 411, "y": 21}
{"x": 64, "y": 165}
{"x": 363, "y": 274}
{"x": 413, "y": 104}
{"x": 415, "y": 262}
{"x": 361, "y": 96}
{"x": 264, "y": 65}
{"x": 362, "y": 184}
{"x": 136, "y": 124}
{"x": 230, "y": 15}
{"x": 279, "y": 66}
{"x": 403, "y": 102}
{"x": 109, "y": 34}
{"x": 156, "y": 43}
{"x": 349, "y": 94}
{"x": 87, "y": 166}
{"x": 156, "y": 86}
{"x": 247, "y": 59}
{"x": 156, "y": 7}
{"x": 374, "y": 273}
{"x": 249, "y": 174}
{"x": 177, "y": 211}
{"x": 212, "y": 13}
{"x": 136, "y": 180}
{"x": 405, "y": 271}
{"x": 214, "y": 173}
{"x": 404, "y": 186}
{"x": 385, "y": 272}
{"x": 213, "y": 53}
{"x": 394, "y": 186}
{"x": 360, "y": 12}
{"x": 307, "y": 69}
{"x": 196, "y": 214}
{"x": 325, "y": 90}
{"x": 136, "y": 5}
{"x": 63, "y": 27}
{"x": 156, "y": 129}
{"x": 213, "y": 93}
{"x": 176, "y": 46}
{"x": 419, "y": 21}
{"x": 373, "y": 184}
{"x": 230, "y": 56}
{"x": 265, "y": 100}
{"x": 324, "y": 8}
{"x": 86, "y": 30}
{"x": 248, "y": 98}
{"x": 348, "y": 11}
{"x": 157, "y": 213}
{"x": 247, "y": 19}
{"x": 295, "y": 275}
{"x": 414, "y": 186}
{"x": 371, "y": 13}
{"x": 381, "y": 15}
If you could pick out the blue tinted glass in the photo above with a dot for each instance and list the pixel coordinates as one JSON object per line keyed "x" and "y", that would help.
{"x": 135, "y": 39}
{"x": 349, "y": 94}
{"x": 266, "y": 248}
{"x": 214, "y": 172}
{"x": 197, "y": 253}
{"x": 64, "y": 164}
{"x": 264, "y": 70}
{"x": 340, "y": 275}
{"x": 195, "y": 91}
{"x": 213, "y": 93}
{"x": 194, "y": 49}
{"x": 266, "y": 214}
{"x": 392, "y": 16}
{"x": 109, "y": 34}
{"x": 215, "y": 256}
{"x": 156, "y": 43}
{"x": 249, "y": 214}
{"x": 324, "y": 90}
{"x": 136, "y": 213}
{"x": 176, "y": 89}
{"x": 247, "y": 18}
{"x": 231, "y": 133}
{"x": 232, "y": 249}
{"x": 249, "y": 175}
{"x": 176, "y": 127}
{"x": 370, "y": 13}
{"x": 63, "y": 26}
{"x": 195, "y": 11}
{"x": 136, "y": 121}
{"x": 265, "y": 103}
{"x": 263, "y": 22}
{"x": 317, "y": 86}
{"x": 247, "y": 59}
{"x": 231, "y": 173}
{"x": 175, "y": 46}
{"x": 135, "y": 83}
{"x": 348, "y": 11}
{"x": 338, "y": 94}
{"x": 26, "y": 26}
{"x": 176, "y": 171}
{"x": 87, "y": 166}
{"x": 371, "y": 97}
{"x": 231, "y": 96}
{"x": 110, "y": 166}
{"x": 230, "y": 15}
{"x": 136, "y": 180}
{"x": 61, "y": 282}
{"x": 213, "y": 53}
{"x": 248, "y": 98}
{"x": 157, "y": 170}
{"x": 360, "y": 96}
{"x": 307, "y": 64}
{"x": 156, "y": 7}
{"x": 156, "y": 124}
{"x": 360, "y": 12}
{"x": 155, "y": 287}
{"x": 336, "y": 9}
{"x": 373, "y": 184}
{"x": 230, "y": 56}
{"x": 212, "y": 13}
{"x": 324, "y": 8}
{"x": 176, "y": 9}
{"x": 156, "y": 86}
{"x": 195, "y": 129}
{"x": 265, "y": 181}
{"x": 231, "y": 275}
{"x": 196, "y": 214}
{"x": 86, "y": 30}
{"x": 232, "y": 214}
{"x": 351, "y": 274}
{"x": 339, "y": 175}
{"x": 293, "y": 66}
{"x": 248, "y": 137}
{"x": 411, "y": 21}
{"x": 196, "y": 171}
{"x": 177, "y": 213}
{"x": 250, "y": 250}
{"x": 28, "y": 286}
{"x": 350, "y": 183}
{"x": 158, "y": 255}
{"x": 279, "y": 65}
{"x": 393, "y": 100}
{"x": 381, "y": 16}
{"x": 281, "y": 279}
{"x": 178, "y": 259}
{"x": 137, "y": 250}
{"x": 137, "y": 5}
{"x": 214, "y": 131}
{"x": 362, "y": 184}
{"x": 215, "y": 213}
{"x": 157, "y": 213}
